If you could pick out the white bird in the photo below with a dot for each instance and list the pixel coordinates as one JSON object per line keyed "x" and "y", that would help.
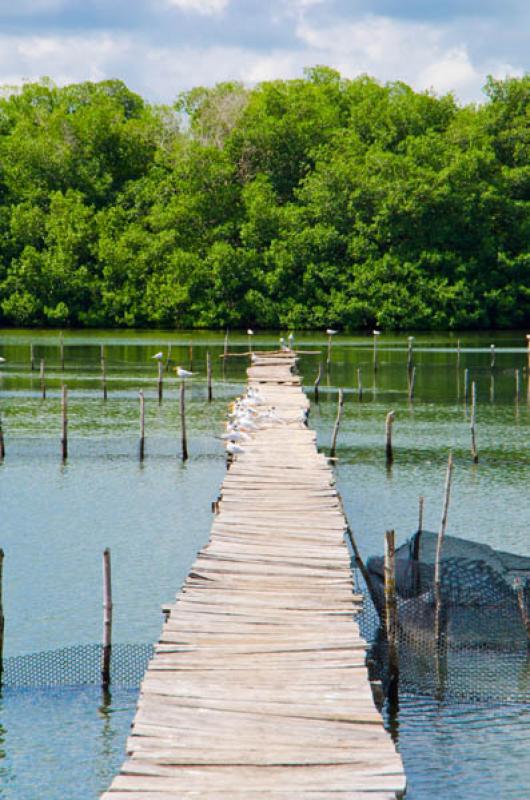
{"x": 183, "y": 373}
{"x": 376, "y": 333}
{"x": 2, "y": 360}
{"x": 331, "y": 332}
{"x": 235, "y": 436}
{"x": 234, "y": 449}
{"x": 250, "y": 332}
{"x": 158, "y": 356}
{"x": 291, "y": 339}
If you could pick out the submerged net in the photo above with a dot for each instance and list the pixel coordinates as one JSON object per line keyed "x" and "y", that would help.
{"x": 482, "y": 652}
{"x": 77, "y": 666}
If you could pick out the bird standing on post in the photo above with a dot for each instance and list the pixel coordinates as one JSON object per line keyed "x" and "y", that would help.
{"x": 330, "y": 333}
{"x": 183, "y": 373}
{"x": 250, "y": 334}
{"x": 158, "y": 356}
{"x": 375, "y": 333}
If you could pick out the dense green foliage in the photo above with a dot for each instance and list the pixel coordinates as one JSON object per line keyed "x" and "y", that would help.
{"x": 304, "y": 203}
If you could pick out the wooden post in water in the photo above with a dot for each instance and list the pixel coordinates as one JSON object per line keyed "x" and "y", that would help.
{"x": 420, "y": 513}
{"x": 458, "y": 353}
{"x": 330, "y": 342}
{"x": 388, "y": 430}
{"x": 375, "y": 335}
{"x": 31, "y": 357}
{"x": 492, "y": 356}
{"x": 517, "y": 385}
{"x": 2, "y": 622}
{"x": 391, "y": 613}
{"x": 359, "y": 384}
{"x": 103, "y": 372}
{"x": 42, "y": 380}
{"x": 410, "y": 355}
{"x": 528, "y": 350}
{"x": 466, "y": 385}
{"x": 438, "y": 557}
{"x": 411, "y": 381}
{"x": 474, "y": 451}
{"x": 2, "y": 444}
{"x": 64, "y": 422}
{"x": 317, "y": 381}
{"x": 337, "y": 423}
{"x": 209, "y": 375}
{"x": 225, "y": 346}
{"x": 107, "y": 620}
{"x": 61, "y": 350}
{"x": 160, "y": 381}
{"x": 141, "y": 449}
{"x": 183, "y": 438}
{"x": 191, "y": 355}
{"x": 168, "y": 359}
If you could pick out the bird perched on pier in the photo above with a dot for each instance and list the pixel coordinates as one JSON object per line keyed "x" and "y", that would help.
{"x": 234, "y": 449}
{"x": 183, "y": 373}
{"x": 158, "y": 356}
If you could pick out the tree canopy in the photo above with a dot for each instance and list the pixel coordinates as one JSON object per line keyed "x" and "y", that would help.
{"x": 311, "y": 202}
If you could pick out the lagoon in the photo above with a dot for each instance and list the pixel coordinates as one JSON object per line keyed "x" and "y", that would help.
{"x": 56, "y": 519}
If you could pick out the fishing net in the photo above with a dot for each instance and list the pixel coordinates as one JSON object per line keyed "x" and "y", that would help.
{"x": 77, "y": 666}
{"x": 482, "y": 651}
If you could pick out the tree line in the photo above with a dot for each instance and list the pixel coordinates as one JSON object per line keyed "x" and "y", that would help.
{"x": 298, "y": 203}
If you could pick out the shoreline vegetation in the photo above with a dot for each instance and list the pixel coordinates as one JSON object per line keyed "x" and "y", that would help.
{"x": 299, "y": 203}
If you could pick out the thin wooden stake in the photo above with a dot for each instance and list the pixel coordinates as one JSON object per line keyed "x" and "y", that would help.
{"x": 328, "y": 359}
{"x": 183, "y": 437}
{"x": 225, "y": 347}
{"x": 317, "y": 381}
{"x": 474, "y": 451}
{"x": 388, "y": 430}
{"x": 209, "y": 375}
{"x": 107, "y": 620}
{"x": 420, "y": 513}
{"x": 191, "y": 356}
{"x": 42, "y": 380}
{"x": 103, "y": 373}
{"x": 2, "y": 620}
{"x": 142, "y": 425}
{"x": 376, "y": 365}
{"x": 31, "y": 357}
{"x": 168, "y": 359}
{"x": 337, "y": 423}
{"x": 439, "y": 546}
{"x": 391, "y": 612}
{"x": 2, "y": 443}
{"x": 492, "y": 356}
{"x": 61, "y": 348}
{"x": 64, "y": 421}
{"x": 517, "y": 385}
{"x": 412, "y": 379}
{"x": 458, "y": 353}
{"x": 410, "y": 355}
{"x": 160, "y": 381}
{"x": 359, "y": 384}
{"x": 466, "y": 385}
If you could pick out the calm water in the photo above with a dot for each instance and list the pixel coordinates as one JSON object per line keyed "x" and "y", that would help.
{"x": 56, "y": 519}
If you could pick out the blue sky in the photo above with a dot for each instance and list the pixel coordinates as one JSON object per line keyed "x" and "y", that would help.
{"x": 162, "y": 47}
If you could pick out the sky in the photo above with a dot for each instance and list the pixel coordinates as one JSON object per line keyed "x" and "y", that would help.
{"x": 163, "y": 47}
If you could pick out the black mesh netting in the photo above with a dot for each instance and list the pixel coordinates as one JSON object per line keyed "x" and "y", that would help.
{"x": 483, "y": 652}
{"x": 77, "y": 666}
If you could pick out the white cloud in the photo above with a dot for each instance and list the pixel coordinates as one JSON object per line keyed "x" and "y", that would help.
{"x": 200, "y": 6}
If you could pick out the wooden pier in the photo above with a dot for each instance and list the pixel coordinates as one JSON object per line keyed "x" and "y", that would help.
{"x": 258, "y": 687}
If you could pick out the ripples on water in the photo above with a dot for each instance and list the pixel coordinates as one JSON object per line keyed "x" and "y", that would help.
{"x": 56, "y": 520}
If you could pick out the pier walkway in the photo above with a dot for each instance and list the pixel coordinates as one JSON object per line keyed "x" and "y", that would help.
{"x": 258, "y": 687}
